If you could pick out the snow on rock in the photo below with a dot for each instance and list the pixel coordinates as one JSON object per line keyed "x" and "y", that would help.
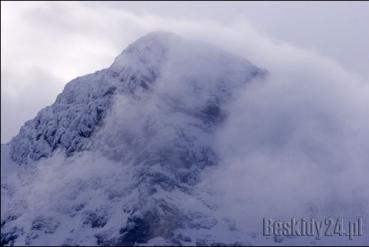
{"x": 117, "y": 157}
{"x": 79, "y": 110}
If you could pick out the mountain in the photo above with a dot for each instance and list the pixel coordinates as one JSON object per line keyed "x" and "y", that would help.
{"x": 117, "y": 158}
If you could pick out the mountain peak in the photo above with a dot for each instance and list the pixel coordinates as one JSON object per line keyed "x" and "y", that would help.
{"x": 162, "y": 35}
{"x": 149, "y": 49}
{"x": 140, "y": 134}
{"x": 189, "y": 69}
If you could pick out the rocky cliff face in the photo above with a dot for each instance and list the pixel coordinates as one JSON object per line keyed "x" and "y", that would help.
{"x": 124, "y": 149}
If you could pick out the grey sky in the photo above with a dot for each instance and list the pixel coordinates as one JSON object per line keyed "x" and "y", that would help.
{"x": 44, "y": 45}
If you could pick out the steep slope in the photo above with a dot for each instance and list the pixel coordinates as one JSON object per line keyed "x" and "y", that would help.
{"x": 117, "y": 157}
{"x": 76, "y": 113}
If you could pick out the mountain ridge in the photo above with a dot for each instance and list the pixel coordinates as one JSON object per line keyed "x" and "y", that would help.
{"x": 94, "y": 90}
{"x": 132, "y": 142}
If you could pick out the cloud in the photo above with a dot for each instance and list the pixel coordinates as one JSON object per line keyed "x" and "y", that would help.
{"x": 69, "y": 40}
{"x": 293, "y": 145}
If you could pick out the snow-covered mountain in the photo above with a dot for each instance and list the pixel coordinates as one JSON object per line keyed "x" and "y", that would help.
{"x": 172, "y": 145}
{"x": 117, "y": 158}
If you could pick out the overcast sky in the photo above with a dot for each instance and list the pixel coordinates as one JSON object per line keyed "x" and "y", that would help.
{"x": 44, "y": 45}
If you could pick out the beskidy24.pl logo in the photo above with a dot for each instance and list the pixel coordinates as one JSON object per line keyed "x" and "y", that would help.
{"x": 318, "y": 228}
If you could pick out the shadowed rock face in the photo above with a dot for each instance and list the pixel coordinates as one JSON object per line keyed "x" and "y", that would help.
{"x": 154, "y": 110}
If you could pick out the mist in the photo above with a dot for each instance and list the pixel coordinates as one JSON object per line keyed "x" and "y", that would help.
{"x": 42, "y": 52}
{"x": 294, "y": 144}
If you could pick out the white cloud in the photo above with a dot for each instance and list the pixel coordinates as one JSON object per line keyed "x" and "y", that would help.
{"x": 293, "y": 143}
{"x": 66, "y": 40}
